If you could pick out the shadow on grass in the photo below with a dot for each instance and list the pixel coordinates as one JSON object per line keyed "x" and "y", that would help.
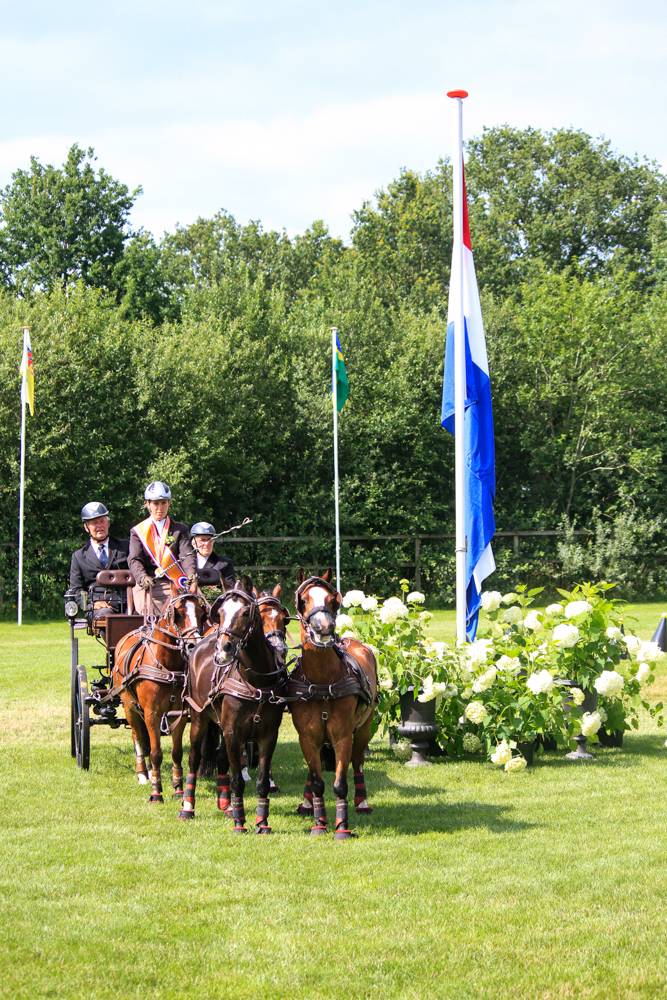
{"x": 445, "y": 817}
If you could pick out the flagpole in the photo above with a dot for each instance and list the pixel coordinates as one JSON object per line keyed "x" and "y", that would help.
{"x": 21, "y": 494}
{"x": 334, "y": 396}
{"x": 459, "y": 371}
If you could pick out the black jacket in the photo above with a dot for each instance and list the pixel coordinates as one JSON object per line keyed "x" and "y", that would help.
{"x": 85, "y": 565}
{"x": 216, "y": 572}
{"x": 141, "y": 564}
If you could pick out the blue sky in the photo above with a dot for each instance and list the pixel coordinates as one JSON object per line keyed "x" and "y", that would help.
{"x": 291, "y": 111}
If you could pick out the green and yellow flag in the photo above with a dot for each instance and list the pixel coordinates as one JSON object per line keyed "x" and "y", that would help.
{"x": 342, "y": 383}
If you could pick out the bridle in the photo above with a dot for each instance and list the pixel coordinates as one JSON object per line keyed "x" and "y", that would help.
{"x": 277, "y": 637}
{"x": 312, "y": 636}
{"x": 185, "y": 635}
{"x": 236, "y": 642}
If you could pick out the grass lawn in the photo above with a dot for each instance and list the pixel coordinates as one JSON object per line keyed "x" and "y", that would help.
{"x": 464, "y": 882}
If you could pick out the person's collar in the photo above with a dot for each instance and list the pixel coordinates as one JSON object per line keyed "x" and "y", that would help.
{"x": 160, "y": 524}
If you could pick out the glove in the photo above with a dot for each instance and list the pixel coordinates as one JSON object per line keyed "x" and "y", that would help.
{"x": 192, "y": 580}
{"x": 146, "y": 583}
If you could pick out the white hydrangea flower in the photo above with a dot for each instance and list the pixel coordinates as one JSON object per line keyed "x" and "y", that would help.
{"x": 649, "y": 652}
{"x": 439, "y": 648}
{"x": 385, "y": 680}
{"x": 349, "y": 634}
{"x": 532, "y": 621}
{"x": 609, "y": 684}
{"x": 416, "y": 597}
{"x": 353, "y": 598}
{"x": 513, "y": 615}
{"x": 509, "y": 598}
{"x": 425, "y": 616}
{"x": 369, "y": 604}
{"x": 643, "y": 671}
{"x": 554, "y": 609}
{"x": 432, "y": 689}
{"x": 511, "y": 664}
{"x": 502, "y": 754}
{"x": 516, "y": 764}
{"x": 484, "y": 682}
{"x": 479, "y": 650}
{"x": 577, "y": 696}
{"x": 566, "y": 635}
{"x": 491, "y": 600}
{"x": 536, "y": 653}
{"x": 540, "y": 682}
{"x": 471, "y": 743}
{"x": 603, "y": 715}
{"x": 614, "y": 632}
{"x": 632, "y": 643}
{"x": 392, "y": 609}
{"x": 475, "y": 712}
{"x": 344, "y": 621}
{"x": 576, "y": 608}
{"x": 590, "y": 723}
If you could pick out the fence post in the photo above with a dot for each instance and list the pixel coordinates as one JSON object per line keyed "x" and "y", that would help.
{"x": 418, "y": 568}
{"x": 515, "y": 543}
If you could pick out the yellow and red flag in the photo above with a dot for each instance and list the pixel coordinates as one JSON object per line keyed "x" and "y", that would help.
{"x": 155, "y": 543}
{"x": 27, "y": 373}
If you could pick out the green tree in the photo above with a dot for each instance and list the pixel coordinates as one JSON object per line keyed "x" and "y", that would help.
{"x": 59, "y": 225}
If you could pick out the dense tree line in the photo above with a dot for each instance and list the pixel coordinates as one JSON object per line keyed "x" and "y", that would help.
{"x": 204, "y": 359}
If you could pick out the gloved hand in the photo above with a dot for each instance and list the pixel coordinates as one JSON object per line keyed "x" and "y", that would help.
{"x": 146, "y": 583}
{"x": 192, "y": 580}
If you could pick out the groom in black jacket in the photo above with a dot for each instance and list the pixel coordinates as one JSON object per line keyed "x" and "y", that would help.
{"x": 100, "y": 552}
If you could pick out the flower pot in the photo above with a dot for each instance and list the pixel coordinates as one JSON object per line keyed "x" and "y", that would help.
{"x": 589, "y": 705}
{"x": 527, "y": 750}
{"x": 610, "y": 738}
{"x": 549, "y": 743}
{"x": 417, "y": 725}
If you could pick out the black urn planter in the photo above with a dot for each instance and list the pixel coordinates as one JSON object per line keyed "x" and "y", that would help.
{"x": 589, "y": 704}
{"x": 417, "y": 725}
{"x": 527, "y": 750}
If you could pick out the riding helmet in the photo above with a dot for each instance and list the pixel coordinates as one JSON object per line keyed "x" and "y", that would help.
{"x": 94, "y": 509}
{"x": 157, "y": 491}
{"x": 202, "y": 528}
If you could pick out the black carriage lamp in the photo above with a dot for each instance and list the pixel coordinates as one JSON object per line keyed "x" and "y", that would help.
{"x": 71, "y": 604}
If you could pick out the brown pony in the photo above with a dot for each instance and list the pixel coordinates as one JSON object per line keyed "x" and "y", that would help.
{"x": 149, "y": 673}
{"x": 332, "y": 695}
{"x": 236, "y": 682}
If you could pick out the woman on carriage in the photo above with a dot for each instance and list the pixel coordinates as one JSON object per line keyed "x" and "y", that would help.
{"x": 160, "y": 552}
{"x": 213, "y": 570}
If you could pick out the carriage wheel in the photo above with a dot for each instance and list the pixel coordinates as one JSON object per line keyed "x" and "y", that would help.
{"x": 72, "y": 709}
{"x": 81, "y": 719}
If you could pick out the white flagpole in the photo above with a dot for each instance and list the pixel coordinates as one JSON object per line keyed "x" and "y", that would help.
{"x": 22, "y": 486}
{"x": 459, "y": 371}
{"x": 334, "y": 396}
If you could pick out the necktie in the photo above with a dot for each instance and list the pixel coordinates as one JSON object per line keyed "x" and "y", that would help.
{"x": 102, "y": 556}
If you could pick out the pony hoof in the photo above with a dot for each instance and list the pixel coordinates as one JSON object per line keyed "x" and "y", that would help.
{"x": 143, "y": 779}
{"x": 240, "y": 829}
{"x": 273, "y": 788}
{"x": 344, "y": 834}
{"x": 317, "y": 831}
{"x": 186, "y": 814}
{"x": 303, "y": 809}
{"x": 363, "y": 807}
{"x": 263, "y": 829}
{"x": 156, "y": 798}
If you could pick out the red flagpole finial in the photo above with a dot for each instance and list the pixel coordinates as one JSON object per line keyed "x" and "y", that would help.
{"x": 457, "y": 93}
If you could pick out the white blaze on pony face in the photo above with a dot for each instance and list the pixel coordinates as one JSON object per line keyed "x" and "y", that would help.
{"x": 191, "y": 625}
{"x": 319, "y": 597}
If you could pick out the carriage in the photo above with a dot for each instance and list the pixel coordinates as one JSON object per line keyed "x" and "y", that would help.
{"x": 91, "y": 704}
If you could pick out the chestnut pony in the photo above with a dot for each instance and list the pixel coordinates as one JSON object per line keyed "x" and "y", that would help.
{"x": 235, "y": 681}
{"x": 332, "y": 695}
{"x": 149, "y": 674}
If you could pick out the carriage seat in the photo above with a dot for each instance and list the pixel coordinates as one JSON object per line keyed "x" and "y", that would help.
{"x": 117, "y": 578}
{"x": 112, "y": 627}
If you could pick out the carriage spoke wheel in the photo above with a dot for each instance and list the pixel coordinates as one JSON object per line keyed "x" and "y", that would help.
{"x": 81, "y": 719}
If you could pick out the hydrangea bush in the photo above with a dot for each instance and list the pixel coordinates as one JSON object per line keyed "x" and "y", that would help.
{"x": 524, "y": 678}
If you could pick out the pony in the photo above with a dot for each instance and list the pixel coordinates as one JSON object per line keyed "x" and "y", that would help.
{"x": 149, "y": 675}
{"x": 236, "y": 681}
{"x": 332, "y": 695}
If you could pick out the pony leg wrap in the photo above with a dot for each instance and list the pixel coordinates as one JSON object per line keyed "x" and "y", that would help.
{"x": 305, "y": 808}
{"x": 177, "y": 780}
{"x": 262, "y": 816}
{"x": 156, "y": 787}
{"x": 342, "y": 830}
{"x": 224, "y": 799}
{"x": 188, "y": 810}
{"x": 238, "y": 812}
{"x": 320, "y": 815}
{"x": 360, "y": 793}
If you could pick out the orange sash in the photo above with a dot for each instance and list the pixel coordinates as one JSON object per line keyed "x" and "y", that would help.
{"x": 155, "y": 544}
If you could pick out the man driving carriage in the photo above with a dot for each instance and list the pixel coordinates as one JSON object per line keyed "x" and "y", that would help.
{"x": 160, "y": 552}
{"x": 101, "y": 551}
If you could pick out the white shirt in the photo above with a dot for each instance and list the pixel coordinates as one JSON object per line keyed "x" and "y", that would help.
{"x": 201, "y": 560}
{"x": 102, "y": 547}
{"x": 159, "y": 525}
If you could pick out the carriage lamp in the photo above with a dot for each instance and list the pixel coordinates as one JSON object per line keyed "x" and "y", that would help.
{"x": 71, "y": 605}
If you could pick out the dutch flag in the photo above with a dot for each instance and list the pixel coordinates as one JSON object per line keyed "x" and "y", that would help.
{"x": 480, "y": 474}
